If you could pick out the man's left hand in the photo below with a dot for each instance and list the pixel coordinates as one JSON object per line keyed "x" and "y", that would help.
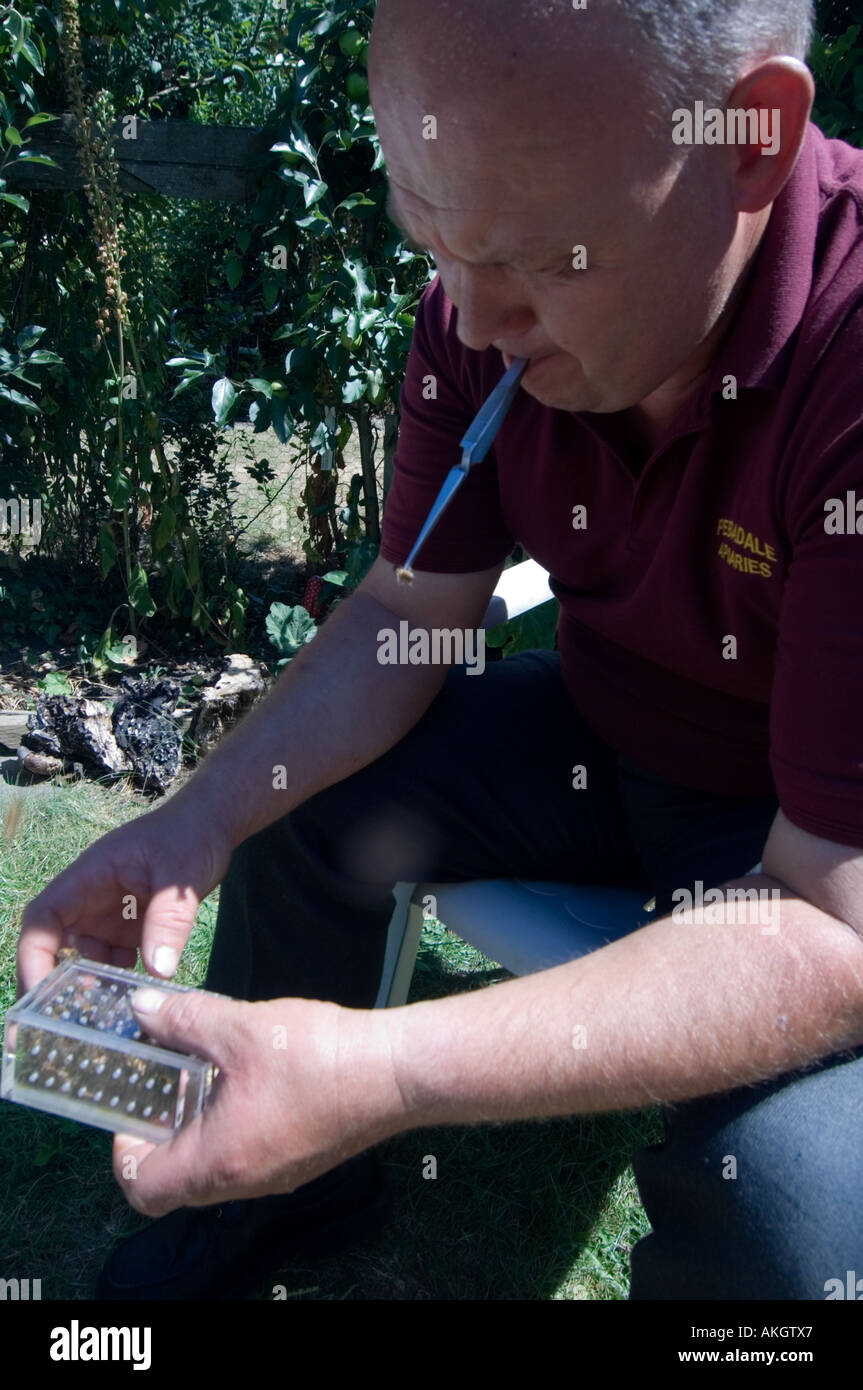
{"x": 303, "y": 1086}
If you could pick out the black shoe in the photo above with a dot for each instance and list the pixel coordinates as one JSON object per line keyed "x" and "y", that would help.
{"x": 224, "y": 1251}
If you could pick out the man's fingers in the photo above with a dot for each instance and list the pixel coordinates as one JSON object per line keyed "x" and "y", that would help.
{"x": 158, "y": 1178}
{"x": 168, "y": 921}
{"x": 41, "y": 937}
{"x": 60, "y": 916}
{"x": 128, "y": 1153}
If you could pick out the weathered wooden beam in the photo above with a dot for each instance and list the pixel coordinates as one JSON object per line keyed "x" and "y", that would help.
{"x": 179, "y": 159}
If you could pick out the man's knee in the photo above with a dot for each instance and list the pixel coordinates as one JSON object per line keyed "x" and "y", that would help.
{"x": 757, "y": 1194}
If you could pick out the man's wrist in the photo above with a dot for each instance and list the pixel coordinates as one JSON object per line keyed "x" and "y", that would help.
{"x": 373, "y": 1105}
{"x": 210, "y": 796}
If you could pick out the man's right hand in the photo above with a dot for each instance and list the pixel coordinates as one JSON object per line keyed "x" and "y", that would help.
{"x": 141, "y": 884}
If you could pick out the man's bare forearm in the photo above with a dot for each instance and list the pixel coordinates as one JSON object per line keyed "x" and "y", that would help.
{"x": 670, "y": 1012}
{"x": 335, "y": 709}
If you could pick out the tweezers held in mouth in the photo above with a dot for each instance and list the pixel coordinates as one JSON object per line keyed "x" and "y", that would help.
{"x": 475, "y": 445}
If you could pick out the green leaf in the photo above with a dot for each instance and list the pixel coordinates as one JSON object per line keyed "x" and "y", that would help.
{"x": 97, "y": 660}
{"x": 314, "y": 192}
{"x": 290, "y": 629}
{"x": 193, "y": 562}
{"x": 31, "y": 53}
{"x": 188, "y": 380}
{"x": 320, "y": 440}
{"x": 55, "y": 683}
{"x": 28, "y": 336}
{"x": 139, "y": 594}
{"x": 288, "y": 174}
{"x": 282, "y": 423}
{"x": 362, "y": 278}
{"x": 42, "y": 356}
{"x": 260, "y": 416}
{"x": 12, "y": 136}
{"x": 532, "y": 630}
{"x": 17, "y": 399}
{"x": 107, "y": 549}
{"x": 356, "y": 200}
{"x": 27, "y": 157}
{"x": 314, "y": 219}
{"x": 25, "y": 92}
{"x": 233, "y": 271}
{"x": 259, "y": 383}
{"x": 39, "y": 119}
{"x": 165, "y": 527}
{"x": 17, "y": 200}
{"x": 338, "y": 577}
{"x": 9, "y": 17}
{"x": 224, "y": 399}
{"x": 123, "y": 654}
{"x": 119, "y": 490}
{"x": 361, "y": 559}
{"x": 354, "y": 390}
{"x": 270, "y": 291}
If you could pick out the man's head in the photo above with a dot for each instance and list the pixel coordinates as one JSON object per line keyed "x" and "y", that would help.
{"x": 552, "y": 131}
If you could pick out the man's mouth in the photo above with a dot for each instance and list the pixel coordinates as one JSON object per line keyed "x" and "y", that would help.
{"x": 508, "y": 358}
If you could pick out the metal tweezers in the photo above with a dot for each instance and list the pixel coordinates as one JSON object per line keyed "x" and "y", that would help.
{"x": 475, "y": 446}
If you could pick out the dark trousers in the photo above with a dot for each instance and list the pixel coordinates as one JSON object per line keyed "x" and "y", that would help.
{"x": 754, "y": 1194}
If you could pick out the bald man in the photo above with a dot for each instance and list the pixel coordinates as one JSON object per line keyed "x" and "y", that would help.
{"x": 634, "y": 198}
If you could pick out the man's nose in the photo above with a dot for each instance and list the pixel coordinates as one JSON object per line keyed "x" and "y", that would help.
{"x": 487, "y": 310}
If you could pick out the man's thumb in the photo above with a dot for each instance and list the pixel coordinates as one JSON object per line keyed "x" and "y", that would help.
{"x": 168, "y": 922}
{"x": 188, "y": 1021}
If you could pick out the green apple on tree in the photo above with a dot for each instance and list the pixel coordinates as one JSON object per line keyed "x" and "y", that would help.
{"x": 357, "y": 86}
{"x": 351, "y": 42}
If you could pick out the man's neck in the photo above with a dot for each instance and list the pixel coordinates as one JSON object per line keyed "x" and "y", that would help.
{"x": 648, "y": 421}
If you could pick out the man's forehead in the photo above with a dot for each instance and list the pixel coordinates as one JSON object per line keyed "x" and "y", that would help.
{"x": 497, "y": 233}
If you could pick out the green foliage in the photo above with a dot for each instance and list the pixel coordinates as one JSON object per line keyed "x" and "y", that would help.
{"x": 23, "y": 53}
{"x": 294, "y": 310}
{"x": 533, "y": 629}
{"x": 289, "y": 629}
{"x": 18, "y": 362}
{"x": 837, "y": 64}
{"x": 55, "y": 683}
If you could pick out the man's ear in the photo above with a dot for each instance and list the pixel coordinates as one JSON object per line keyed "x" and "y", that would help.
{"x": 782, "y": 91}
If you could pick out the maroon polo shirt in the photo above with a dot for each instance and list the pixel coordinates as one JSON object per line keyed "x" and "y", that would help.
{"x": 711, "y": 622}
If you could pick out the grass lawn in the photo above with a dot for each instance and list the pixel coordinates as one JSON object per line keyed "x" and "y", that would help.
{"x": 536, "y": 1210}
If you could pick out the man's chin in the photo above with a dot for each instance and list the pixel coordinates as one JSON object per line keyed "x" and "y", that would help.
{"x": 558, "y": 382}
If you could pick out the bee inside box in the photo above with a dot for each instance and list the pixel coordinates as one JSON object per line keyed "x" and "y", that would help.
{"x": 73, "y": 1047}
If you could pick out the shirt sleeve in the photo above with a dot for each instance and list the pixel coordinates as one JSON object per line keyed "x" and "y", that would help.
{"x": 816, "y": 713}
{"x": 439, "y": 400}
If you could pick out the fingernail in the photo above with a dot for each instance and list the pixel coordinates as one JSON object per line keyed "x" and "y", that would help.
{"x": 147, "y": 1001}
{"x": 165, "y": 960}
